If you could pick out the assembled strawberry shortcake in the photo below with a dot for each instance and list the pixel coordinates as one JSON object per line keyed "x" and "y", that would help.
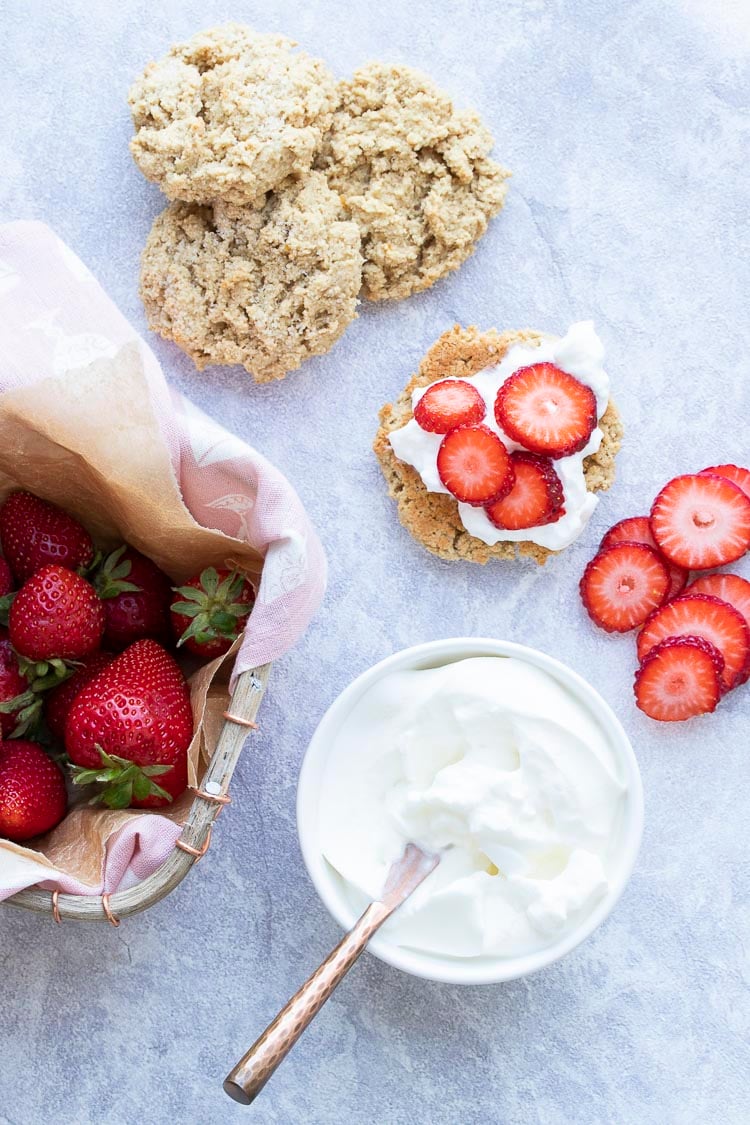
{"x": 499, "y": 442}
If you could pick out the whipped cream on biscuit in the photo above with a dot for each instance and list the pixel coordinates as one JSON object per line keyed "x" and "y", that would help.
{"x": 580, "y": 353}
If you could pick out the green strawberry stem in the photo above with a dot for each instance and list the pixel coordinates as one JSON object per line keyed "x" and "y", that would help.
{"x": 213, "y": 610}
{"x": 27, "y": 707}
{"x": 110, "y": 580}
{"x": 6, "y": 601}
{"x": 45, "y": 674}
{"x": 120, "y": 781}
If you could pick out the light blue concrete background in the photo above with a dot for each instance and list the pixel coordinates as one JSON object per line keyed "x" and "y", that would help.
{"x": 627, "y": 126}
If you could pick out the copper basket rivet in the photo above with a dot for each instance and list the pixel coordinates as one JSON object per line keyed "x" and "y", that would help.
{"x": 213, "y": 798}
{"x": 111, "y": 918}
{"x": 240, "y": 722}
{"x": 197, "y": 852}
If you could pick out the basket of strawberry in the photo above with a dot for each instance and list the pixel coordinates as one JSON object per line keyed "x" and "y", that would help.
{"x": 153, "y": 567}
{"x": 93, "y": 698}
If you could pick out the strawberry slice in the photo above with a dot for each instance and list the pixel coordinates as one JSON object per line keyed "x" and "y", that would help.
{"x": 535, "y": 499}
{"x": 546, "y": 410}
{"x": 474, "y": 465}
{"x": 680, "y": 678}
{"x": 730, "y": 588}
{"x": 622, "y": 585}
{"x": 637, "y": 529}
{"x": 700, "y": 521}
{"x": 447, "y": 404}
{"x": 737, "y": 475}
{"x": 702, "y": 615}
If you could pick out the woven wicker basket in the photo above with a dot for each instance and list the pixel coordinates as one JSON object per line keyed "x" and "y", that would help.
{"x": 196, "y": 833}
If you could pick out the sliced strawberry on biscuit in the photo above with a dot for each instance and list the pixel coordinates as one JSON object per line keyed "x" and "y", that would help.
{"x": 546, "y": 410}
{"x": 679, "y": 678}
{"x": 637, "y": 529}
{"x": 623, "y": 584}
{"x": 535, "y": 499}
{"x": 448, "y": 404}
{"x": 701, "y": 521}
{"x": 701, "y": 615}
{"x": 735, "y": 473}
{"x": 474, "y": 465}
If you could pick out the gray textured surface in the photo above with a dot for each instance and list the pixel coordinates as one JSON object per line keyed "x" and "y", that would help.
{"x": 627, "y": 127}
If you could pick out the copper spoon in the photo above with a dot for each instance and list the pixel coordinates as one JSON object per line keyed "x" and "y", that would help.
{"x": 245, "y": 1081}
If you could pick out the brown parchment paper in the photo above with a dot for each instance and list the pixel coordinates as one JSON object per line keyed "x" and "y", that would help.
{"x": 90, "y": 441}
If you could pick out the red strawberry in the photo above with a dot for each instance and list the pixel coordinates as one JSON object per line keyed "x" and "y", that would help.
{"x": 637, "y": 529}
{"x": 730, "y": 588}
{"x": 15, "y": 697}
{"x": 210, "y": 611}
{"x": 32, "y": 791}
{"x": 622, "y": 585}
{"x": 536, "y": 497}
{"x": 57, "y": 703}
{"x": 56, "y": 615}
{"x": 6, "y": 579}
{"x": 447, "y": 404}
{"x": 546, "y": 410}
{"x": 34, "y": 533}
{"x": 700, "y": 615}
{"x": 136, "y": 596}
{"x": 680, "y": 678}
{"x": 701, "y": 521}
{"x": 130, "y": 726}
{"x": 474, "y": 465}
{"x": 737, "y": 475}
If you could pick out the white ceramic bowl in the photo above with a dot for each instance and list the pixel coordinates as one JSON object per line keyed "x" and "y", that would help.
{"x": 484, "y": 970}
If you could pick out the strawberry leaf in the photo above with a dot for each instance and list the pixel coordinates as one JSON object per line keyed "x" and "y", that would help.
{"x": 186, "y": 609}
{"x": 111, "y": 579}
{"x": 120, "y": 781}
{"x": 213, "y": 612}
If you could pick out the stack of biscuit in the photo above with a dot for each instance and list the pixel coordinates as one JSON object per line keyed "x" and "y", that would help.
{"x": 293, "y": 194}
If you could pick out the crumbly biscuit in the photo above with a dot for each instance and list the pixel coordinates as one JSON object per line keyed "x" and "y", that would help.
{"x": 414, "y": 173}
{"x": 229, "y": 114}
{"x": 265, "y": 287}
{"x": 432, "y": 517}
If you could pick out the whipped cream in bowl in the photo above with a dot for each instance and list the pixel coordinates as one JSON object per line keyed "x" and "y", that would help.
{"x": 504, "y": 761}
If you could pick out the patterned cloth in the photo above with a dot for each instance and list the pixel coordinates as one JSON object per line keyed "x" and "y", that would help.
{"x": 54, "y": 317}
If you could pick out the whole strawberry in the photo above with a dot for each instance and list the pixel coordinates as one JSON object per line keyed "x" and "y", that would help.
{"x": 129, "y": 728}
{"x": 56, "y": 615}
{"x": 59, "y": 700}
{"x": 6, "y": 579}
{"x": 136, "y": 596}
{"x": 34, "y": 533}
{"x": 210, "y": 611}
{"x": 32, "y": 791}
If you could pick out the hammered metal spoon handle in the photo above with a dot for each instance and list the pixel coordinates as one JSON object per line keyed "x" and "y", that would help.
{"x": 245, "y": 1081}
{"x": 251, "y": 1073}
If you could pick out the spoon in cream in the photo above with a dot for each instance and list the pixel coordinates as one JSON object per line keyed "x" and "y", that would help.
{"x": 245, "y": 1081}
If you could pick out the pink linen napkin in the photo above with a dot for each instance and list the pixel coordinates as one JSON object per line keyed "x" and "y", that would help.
{"x": 54, "y": 317}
